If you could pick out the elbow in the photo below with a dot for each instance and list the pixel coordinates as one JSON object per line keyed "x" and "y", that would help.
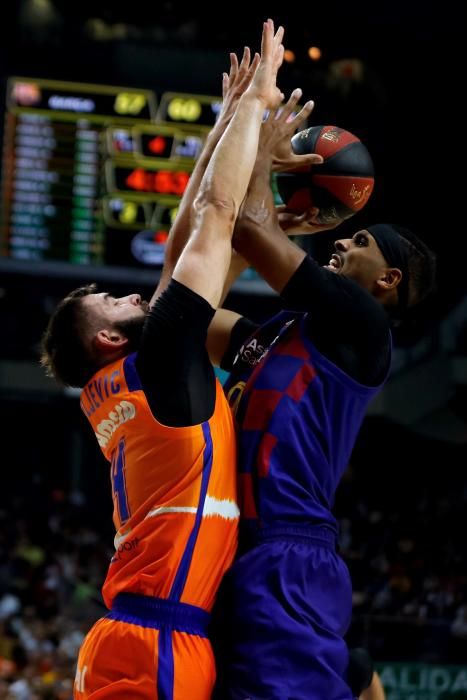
{"x": 215, "y": 204}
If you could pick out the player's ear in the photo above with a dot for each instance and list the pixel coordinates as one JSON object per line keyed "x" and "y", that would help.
{"x": 108, "y": 340}
{"x": 389, "y": 278}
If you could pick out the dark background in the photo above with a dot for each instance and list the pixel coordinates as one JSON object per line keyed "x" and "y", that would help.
{"x": 402, "y": 504}
{"x": 405, "y": 107}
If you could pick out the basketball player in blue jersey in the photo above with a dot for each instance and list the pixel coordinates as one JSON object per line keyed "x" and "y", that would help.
{"x": 300, "y": 385}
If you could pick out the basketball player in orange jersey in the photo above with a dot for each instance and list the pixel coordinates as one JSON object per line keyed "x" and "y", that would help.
{"x": 162, "y": 421}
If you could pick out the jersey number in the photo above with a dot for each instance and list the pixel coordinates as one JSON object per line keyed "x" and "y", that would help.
{"x": 117, "y": 471}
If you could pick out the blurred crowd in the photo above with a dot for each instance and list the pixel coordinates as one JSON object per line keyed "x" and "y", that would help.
{"x": 402, "y": 537}
{"x": 403, "y": 517}
{"x": 53, "y": 560}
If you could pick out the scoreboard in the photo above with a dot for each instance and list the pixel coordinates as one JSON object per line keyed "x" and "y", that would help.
{"x": 92, "y": 174}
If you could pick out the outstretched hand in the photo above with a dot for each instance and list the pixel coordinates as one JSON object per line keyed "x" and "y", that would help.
{"x": 277, "y": 131}
{"x": 263, "y": 85}
{"x": 236, "y": 82}
{"x": 275, "y": 146}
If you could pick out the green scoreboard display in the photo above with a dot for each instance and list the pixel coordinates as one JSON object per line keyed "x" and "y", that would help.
{"x": 92, "y": 174}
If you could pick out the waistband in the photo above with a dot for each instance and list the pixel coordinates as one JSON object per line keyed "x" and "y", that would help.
{"x": 157, "y": 612}
{"x": 319, "y": 534}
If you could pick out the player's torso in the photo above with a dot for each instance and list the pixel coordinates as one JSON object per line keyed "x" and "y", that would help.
{"x": 298, "y": 416}
{"x": 174, "y": 492}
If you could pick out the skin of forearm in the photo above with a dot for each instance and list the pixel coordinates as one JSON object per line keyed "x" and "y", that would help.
{"x": 229, "y": 186}
{"x": 258, "y": 236}
{"x": 180, "y": 231}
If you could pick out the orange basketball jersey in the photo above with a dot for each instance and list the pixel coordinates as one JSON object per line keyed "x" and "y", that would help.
{"x": 174, "y": 492}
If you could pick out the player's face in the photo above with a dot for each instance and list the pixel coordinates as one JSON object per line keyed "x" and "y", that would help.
{"x": 358, "y": 258}
{"x": 112, "y": 311}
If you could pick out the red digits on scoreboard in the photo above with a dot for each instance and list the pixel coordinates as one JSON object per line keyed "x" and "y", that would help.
{"x": 137, "y": 180}
{"x": 163, "y": 182}
{"x": 180, "y": 181}
{"x": 158, "y": 181}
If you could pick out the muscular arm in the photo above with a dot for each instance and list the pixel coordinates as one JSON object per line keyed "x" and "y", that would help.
{"x": 199, "y": 276}
{"x": 180, "y": 230}
{"x": 258, "y": 236}
{"x": 204, "y": 262}
{"x": 233, "y": 86}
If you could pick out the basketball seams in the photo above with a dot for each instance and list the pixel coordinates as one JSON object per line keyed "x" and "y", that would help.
{"x": 340, "y": 186}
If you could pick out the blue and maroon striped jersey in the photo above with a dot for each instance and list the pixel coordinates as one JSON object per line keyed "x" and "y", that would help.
{"x": 298, "y": 416}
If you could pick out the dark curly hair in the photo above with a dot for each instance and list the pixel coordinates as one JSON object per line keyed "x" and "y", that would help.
{"x": 63, "y": 351}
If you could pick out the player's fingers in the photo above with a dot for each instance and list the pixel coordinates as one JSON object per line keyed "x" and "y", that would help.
{"x": 225, "y": 84}
{"x": 302, "y": 115}
{"x": 311, "y": 159}
{"x": 254, "y": 64}
{"x": 279, "y": 35}
{"x": 247, "y": 78}
{"x": 279, "y": 57}
{"x": 302, "y": 161}
{"x": 290, "y": 105}
{"x": 267, "y": 39}
{"x": 245, "y": 62}
{"x": 233, "y": 66}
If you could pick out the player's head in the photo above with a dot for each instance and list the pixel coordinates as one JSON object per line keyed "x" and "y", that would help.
{"x": 391, "y": 262}
{"x": 88, "y": 330}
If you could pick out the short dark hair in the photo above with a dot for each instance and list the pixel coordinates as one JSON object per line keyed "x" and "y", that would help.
{"x": 422, "y": 266}
{"x": 63, "y": 351}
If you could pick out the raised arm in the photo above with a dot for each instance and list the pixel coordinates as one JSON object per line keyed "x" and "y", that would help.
{"x": 204, "y": 262}
{"x": 234, "y": 85}
{"x": 259, "y": 235}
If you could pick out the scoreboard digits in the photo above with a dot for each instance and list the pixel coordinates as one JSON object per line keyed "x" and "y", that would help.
{"x": 192, "y": 110}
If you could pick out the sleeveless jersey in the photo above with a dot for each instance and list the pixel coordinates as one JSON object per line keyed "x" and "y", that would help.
{"x": 298, "y": 417}
{"x": 174, "y": 491}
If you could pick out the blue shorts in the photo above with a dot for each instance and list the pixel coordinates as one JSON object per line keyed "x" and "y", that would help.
{"x": 286, "y": 605}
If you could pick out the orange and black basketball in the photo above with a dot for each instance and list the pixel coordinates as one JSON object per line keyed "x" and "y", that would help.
{"x": 340, "y": 186}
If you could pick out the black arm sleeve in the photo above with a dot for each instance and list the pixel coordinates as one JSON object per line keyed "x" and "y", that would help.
{"x": 172, "y": 361}
{"x": 241, "y": 331}
{"x": 345, "y": 322}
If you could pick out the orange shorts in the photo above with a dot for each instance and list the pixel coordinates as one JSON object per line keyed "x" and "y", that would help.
{"x": 126, "y": 660}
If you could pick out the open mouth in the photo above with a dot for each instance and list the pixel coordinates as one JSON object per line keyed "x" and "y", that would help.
{"x": 335, "y": 263}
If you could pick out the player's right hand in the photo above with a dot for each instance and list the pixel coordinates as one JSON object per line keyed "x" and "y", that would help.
{"x": 294, "y": 224}
{"x": 263, "y": 85}
{"x": 277, "y": 131}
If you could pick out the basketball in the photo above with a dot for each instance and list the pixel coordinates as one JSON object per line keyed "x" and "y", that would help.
{"x": 340, "y": 186}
